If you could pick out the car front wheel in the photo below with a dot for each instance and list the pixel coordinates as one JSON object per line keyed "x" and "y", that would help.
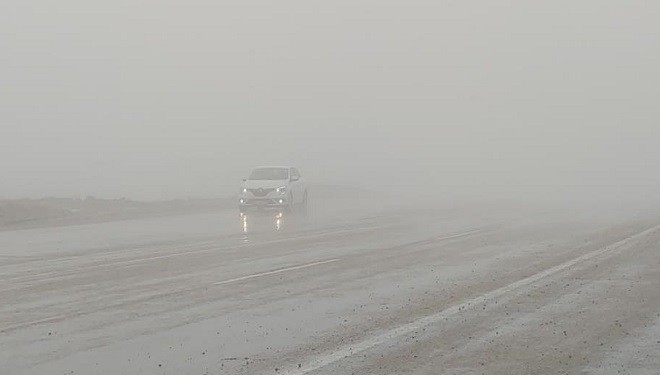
{"x": 289, "y": 205}
{"x": 303, "y": 205}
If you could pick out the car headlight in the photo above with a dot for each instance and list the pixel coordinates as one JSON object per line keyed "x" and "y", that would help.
{"x": 244, "y": 190}
{"x": 281, "y": 190}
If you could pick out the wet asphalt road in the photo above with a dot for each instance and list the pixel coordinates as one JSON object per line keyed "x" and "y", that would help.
{"x": 379, "y": 292}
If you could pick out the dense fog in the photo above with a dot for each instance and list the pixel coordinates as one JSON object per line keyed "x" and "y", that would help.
{"x": 172, "y": 99}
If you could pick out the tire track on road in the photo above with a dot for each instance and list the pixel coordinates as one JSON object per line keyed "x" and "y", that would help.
{"x": 320, "y": 361}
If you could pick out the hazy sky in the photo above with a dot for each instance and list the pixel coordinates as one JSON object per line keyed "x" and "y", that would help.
{"x": 159, "y": 98}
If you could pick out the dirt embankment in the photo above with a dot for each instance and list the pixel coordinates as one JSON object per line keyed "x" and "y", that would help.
{"x": 31, "y": 213}
{"x": 46, "y": 212}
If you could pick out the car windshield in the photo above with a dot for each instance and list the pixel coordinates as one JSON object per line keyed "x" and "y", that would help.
{"x": 269, "y": 174}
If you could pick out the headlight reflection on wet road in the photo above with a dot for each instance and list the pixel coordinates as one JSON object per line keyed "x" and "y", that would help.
{"x": 261, "y": 222}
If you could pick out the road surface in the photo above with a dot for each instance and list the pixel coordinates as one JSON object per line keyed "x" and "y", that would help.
{"x": 381, "y": 292}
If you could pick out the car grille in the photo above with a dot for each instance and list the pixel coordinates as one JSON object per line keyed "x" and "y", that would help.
{"x": 260, "y": 192}
{"x": 260, "y": 201}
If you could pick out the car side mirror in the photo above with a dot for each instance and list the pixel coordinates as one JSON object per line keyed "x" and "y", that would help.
{"x": 294, "y": 178}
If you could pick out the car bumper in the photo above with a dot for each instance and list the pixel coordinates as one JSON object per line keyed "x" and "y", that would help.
{"x": 262, "y": 203}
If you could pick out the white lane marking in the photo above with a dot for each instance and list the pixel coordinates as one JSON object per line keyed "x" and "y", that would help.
{"x": 327, "y": 261}
{"x": 47, "y": 320}
{"x": 31, "y": 278}
{"x": 60, "y": 317}
{"x": 464, "y": 234}
{"x": 277, "y": 271}
{"x": 323, "y": 360}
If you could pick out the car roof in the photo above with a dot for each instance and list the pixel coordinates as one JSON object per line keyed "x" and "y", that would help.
{"x": 274, "y": 166}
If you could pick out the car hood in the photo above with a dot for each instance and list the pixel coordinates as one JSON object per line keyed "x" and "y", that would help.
{"x": 264, "y": 184}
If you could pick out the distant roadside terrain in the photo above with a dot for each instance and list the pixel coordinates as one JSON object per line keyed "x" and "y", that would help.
{"x": 46, "y": 212}
{"x": 31, "y": 213}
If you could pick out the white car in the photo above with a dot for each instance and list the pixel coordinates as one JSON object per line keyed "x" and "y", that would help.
{"x": 273, "y": 188}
